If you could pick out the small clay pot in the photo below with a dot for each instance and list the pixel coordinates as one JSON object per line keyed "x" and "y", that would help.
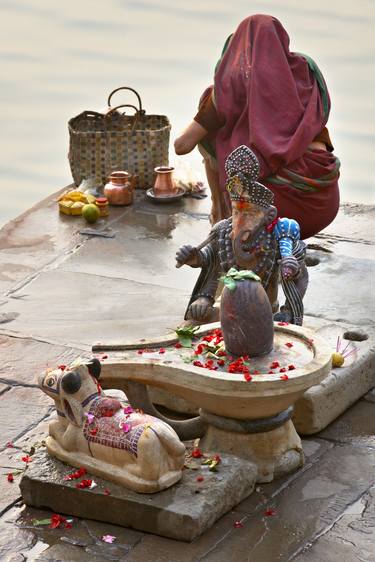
{"x": 246, "y": 319}
{"x": 119, "y": 189}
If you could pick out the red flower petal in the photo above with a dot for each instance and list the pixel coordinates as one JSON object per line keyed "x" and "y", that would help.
{"x": 283, "y": 323}
{"x": 10, "y": 477}
{"x": 237, "y": 524}
{"x": 289, "y": 344}
{"x": 221, "y": 362}
{"x": 291, "y": 368}
{"x": 284, "y": 377}
{"x": 200, "y": 478}
{"x": 26, "y": 459}
{"x": 196, "y": 453}
{"x": 107, "y": 492}
{"x": 62, "y": 367}
{"x": 161, "y": 350}
{"x": 178, "y": 345}
{"x": 270, "y": 512}
{"x": 274, "y": 365}
{"x": 282, "y": 370}
{"x": 84, "y": 484}
{"x": 140, "y": 351}
{"x": 247, "y": 377}
{"x": 104, "y": 357}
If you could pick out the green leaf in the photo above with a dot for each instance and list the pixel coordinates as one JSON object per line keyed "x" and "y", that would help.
{"x": 36, "y": 522}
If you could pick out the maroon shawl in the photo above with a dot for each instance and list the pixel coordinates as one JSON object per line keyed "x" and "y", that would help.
{"x": 266, "y": 96}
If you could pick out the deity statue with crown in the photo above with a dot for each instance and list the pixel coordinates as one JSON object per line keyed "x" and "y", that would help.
{"x": 254, "y": 238}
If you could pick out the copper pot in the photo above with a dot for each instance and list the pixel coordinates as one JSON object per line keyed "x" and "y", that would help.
{"x": 164, "y": 185}
{"x": 119, "y": 189}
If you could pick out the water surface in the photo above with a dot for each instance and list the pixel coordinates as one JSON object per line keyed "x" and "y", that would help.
{"x": 59, "y": 58}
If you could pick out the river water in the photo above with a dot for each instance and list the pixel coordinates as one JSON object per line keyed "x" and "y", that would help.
{"x": 59, "y": 58}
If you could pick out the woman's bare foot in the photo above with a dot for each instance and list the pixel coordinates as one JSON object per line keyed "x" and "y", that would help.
{"x": 189, "y": 138}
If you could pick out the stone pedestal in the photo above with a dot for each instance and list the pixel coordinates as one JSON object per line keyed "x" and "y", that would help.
{"x": 181, "y": 512}
{"x": 275, "y": 452}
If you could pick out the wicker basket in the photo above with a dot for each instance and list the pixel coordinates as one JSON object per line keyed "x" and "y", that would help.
{"x": 104, "y": 143}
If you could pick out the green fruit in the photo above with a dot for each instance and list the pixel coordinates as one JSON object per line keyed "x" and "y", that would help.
{"x": 90, "y": 212}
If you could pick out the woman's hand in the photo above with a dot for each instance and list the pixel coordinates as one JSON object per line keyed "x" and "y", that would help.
{"x": 189, "y": 138}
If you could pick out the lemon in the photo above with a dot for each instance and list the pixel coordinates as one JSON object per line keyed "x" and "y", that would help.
{"x": 337, "y": 360}
{"x": 91, "y": 212}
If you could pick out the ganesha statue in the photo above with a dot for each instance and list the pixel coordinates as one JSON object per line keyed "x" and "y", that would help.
{"x": 253, "y": 238}
{"x": 105, "y": 435}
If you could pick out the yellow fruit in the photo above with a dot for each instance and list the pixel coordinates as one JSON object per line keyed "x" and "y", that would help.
{"x": 337, "y": 360}
{"x": 91, "y": 212}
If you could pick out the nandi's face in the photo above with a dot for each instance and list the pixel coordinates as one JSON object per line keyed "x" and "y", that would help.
{"x": 72, "y": 388}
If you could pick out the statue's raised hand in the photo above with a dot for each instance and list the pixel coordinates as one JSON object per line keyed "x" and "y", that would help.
{"x": 188, "y": 255}
{"x": 289, "y": 267}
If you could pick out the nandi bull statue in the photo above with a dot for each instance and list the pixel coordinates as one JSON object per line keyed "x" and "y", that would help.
{"x": 253, "y": 238}
{"x": 106, "y": 436}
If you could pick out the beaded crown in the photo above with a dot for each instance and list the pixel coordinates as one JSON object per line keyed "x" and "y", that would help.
{"x": 242, "y": 169}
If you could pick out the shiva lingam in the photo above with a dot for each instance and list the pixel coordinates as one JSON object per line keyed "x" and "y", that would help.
{"x": 244, "y": 405}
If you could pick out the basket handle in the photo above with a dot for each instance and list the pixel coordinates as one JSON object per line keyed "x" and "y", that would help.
{"x": 142, "y": 111}
{"x": 136, "y": 116}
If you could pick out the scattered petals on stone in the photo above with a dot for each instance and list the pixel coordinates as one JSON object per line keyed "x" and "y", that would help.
{"x": 58, "y": 522}
{"x": 237, "y": 524}
{"x": 196, "y": 453}
{"x": 108, "y": 538}
{"x": 77, "y": 474}
{"x": 200, "y": 478}
{"x": 26, "y": 459}
{"x": 289, "y": 344}
{"x": 10, "y": 477}
{"x": 270, "y": 512}
{"x": 84, "y": 484}
{"x": 90, "y": 417}
{"x": 284, "y": 377}
{"x": 161, "y": 350}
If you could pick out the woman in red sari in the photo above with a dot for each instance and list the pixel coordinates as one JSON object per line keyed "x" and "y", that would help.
{"x": 277, "y": 103}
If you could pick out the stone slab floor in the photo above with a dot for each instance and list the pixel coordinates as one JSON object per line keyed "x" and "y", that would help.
{"x": 61, "y": 291}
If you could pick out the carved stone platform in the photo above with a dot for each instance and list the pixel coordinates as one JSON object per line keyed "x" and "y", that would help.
{"x": 181, "y": 512}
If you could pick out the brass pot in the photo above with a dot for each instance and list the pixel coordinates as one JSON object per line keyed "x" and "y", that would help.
{"x": 164, "y": 185}
{"x": 119, "y": 189}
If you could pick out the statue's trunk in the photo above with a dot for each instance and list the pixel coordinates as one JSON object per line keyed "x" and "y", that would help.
{"x": 246, "y": 319}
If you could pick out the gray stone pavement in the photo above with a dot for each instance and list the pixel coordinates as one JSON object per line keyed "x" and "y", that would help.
{"x": 61, "y": 292}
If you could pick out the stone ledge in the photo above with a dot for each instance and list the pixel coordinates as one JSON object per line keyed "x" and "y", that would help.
{"x": 323, "y": 403}
{"x": 182, "y": 512}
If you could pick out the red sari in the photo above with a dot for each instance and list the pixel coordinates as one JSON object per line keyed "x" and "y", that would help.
{"x": 277, "y": 103}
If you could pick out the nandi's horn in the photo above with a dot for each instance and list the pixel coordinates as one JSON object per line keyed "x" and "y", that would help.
{"x": 94, "y": 367}
{"x": 71, "y": 382}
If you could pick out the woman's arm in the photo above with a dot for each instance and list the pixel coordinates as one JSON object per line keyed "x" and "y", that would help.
{"x": 189, "y": 138}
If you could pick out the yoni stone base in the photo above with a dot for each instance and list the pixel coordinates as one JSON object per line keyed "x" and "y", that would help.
{"x": 275, "y": 453}
{"x": 181, "y": 512}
